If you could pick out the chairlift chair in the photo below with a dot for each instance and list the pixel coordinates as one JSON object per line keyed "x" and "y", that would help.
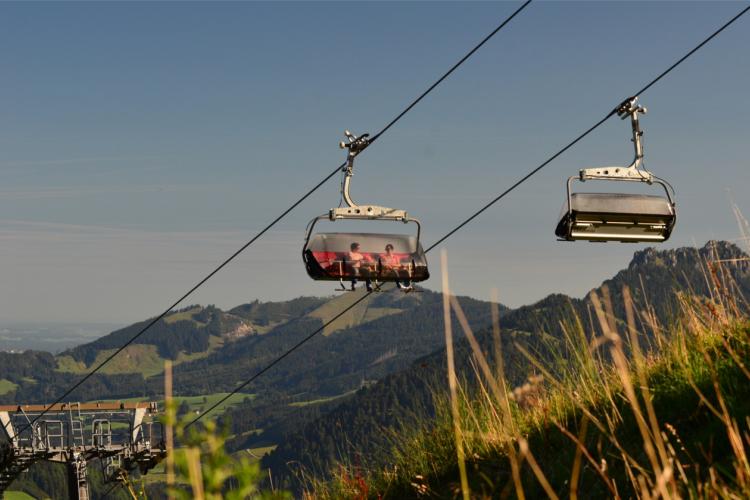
{"x": 633, "y": 218}
{"x": 363, "y": 256}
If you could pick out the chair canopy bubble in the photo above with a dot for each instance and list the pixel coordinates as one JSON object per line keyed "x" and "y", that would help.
{"x": 371, "y": 257}
{"x": 348, "y": 256}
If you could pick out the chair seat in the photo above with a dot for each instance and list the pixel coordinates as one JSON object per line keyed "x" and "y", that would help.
{"x": 616, "y": 217}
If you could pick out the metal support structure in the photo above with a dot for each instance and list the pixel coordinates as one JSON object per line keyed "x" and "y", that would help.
{"x": 633, "y": 172}
{"x": 620, "y": 217}
{"x": 118, "y": 434}
{"x": 78, "y": 484}
{"x": 352, "y": 210}
{"x": 355, "y": 146}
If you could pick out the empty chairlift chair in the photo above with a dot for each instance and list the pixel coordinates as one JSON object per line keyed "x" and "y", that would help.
{"x": 374, "y": 258}
{"x": 619, "y": 217}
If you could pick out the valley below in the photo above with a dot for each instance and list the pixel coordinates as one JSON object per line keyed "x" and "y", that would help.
{"x": 355, "y": 392}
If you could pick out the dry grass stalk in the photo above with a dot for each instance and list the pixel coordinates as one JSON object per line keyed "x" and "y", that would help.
{"x": 496, "y": 341}
{"x": 508, "y": 423}
{"x": 607, "y": 388}
{"x": 478, "y": 355}
{"x": 640, "y": 369}
{"x": 578, "y": 459}
{"x": 452, "y": 378}
{"x": 193, "y": 458}
{"x": 169, "y": 428}
{"x": 650, "y": 441}
{"x": 526, "y": 454}
{"x": 581, "y": 451}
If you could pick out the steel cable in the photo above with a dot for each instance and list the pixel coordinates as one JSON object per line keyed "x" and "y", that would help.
{"x": 478, "y": 212}
{"x": 276, "y": 220}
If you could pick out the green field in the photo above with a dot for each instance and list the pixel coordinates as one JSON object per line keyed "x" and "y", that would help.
{"x": 6, "y": 386}
{"x": 136, "y": 358}
{"x": 357, "y": 315}
{"x": 261, "y": 329}
{"x": 197, "y": 404}
{"x": 374, "y": 313}
{"x": 159, "y": 475}
{"x": 185, "y": 316}
{"x": 320, "y": 400}
{"x": 17, "y": 495}
{"x": 255, "y": 454}
{"x": 140, "y": 358}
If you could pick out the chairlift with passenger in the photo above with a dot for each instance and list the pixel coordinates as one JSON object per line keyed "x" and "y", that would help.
{"x": 602, "y": 217}
{"x": 374, "y": 258}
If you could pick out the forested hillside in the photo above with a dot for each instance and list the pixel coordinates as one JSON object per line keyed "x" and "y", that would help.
{"x": 600, "y": 419}
{"x": 214, "y": 351}
{"x": 359, "y": 431}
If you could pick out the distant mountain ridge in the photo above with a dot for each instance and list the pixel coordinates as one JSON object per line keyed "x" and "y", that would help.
{"x": 188, "y": 330}
{"x": 185, "y": 336}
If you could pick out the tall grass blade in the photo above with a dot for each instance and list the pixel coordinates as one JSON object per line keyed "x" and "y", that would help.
{"x": 452, "y": 378}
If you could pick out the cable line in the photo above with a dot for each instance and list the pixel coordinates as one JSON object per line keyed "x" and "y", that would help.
{"x": 521, "y": 181}
{"x": 696, "y": 49}
{"x": 190, "y": 292}
{"x": 447, "y": 74}
{"x": 587, "y": 132}
{"x": 477, "y": 213}
{"x": 276, "y": 220}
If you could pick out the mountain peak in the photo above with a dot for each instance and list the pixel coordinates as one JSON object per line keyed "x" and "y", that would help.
{"x": 712, "y": 250}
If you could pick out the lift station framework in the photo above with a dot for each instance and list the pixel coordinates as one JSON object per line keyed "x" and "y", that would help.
{"x": 121, "y": 435}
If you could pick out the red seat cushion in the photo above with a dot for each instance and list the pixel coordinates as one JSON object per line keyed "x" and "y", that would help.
{"x": 325, "y": 257}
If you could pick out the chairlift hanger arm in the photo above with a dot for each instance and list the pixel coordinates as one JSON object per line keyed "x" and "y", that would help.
{"x": 353, "y": 211}
{"x": 355, "y": 145}
{"x": 633, "y": 172}
{"x": 632, "y": 109}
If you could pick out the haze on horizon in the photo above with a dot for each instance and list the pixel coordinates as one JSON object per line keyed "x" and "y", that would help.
{"x": 144, "y": 143}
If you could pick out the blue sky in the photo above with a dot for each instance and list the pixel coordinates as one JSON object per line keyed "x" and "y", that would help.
{"x": 142, "y": 143}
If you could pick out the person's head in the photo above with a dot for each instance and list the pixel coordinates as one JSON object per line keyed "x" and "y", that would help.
{"x": 388, "y": 248}
{"x": 354, "y": 246}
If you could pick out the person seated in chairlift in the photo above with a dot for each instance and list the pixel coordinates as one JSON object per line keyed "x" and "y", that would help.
{"x": 356, "y": 258}
{"x": 392, "y": 264}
